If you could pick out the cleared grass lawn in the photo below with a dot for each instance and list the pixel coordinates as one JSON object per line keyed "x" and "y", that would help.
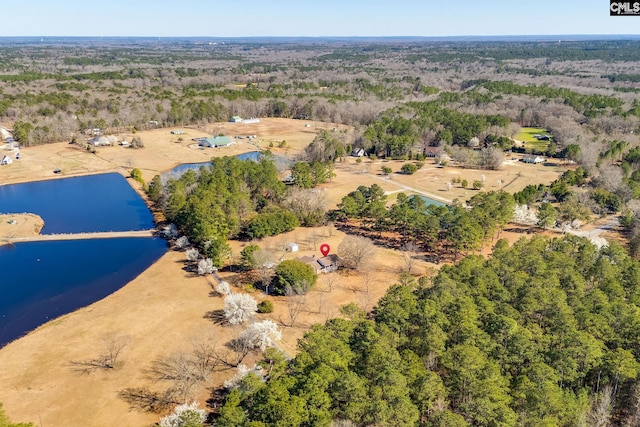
{"x": 526, "y": 135}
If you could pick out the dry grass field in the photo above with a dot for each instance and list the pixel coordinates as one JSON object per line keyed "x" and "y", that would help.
{"x": 164, "y": 310}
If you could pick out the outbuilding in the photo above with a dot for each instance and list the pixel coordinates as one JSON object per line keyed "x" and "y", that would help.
{"x": 533, "y": 159}
{"x": 235, "y": 119}
{"x": 214, "y": 142}
{"x": 6, "y": 160}
{"x": 103, "y": 140}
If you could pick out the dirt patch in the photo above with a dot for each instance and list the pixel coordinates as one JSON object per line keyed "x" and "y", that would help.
{"x": 162, "y": 150}
{"x": 19, "y": 225}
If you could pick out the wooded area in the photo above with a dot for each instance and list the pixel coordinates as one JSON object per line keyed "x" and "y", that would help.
{"x": 541, "y": 333}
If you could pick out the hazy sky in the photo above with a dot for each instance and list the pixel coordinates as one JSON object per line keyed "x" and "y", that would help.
{"x": 216, "y": 18}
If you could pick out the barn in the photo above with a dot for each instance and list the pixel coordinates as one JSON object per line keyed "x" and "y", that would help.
{"x": 214, "y": 142}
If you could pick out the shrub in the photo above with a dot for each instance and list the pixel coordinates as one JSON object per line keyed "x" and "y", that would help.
{"x": 265, "y": 306}
{"x": 409, "y": 169}
{"x": 137, "y": 175}
{"x": 386, "y": 170}
{"x": 271, "y": 222}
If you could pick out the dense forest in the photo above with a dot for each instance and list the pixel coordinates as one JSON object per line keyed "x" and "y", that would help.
{"x": 544, "y": 333}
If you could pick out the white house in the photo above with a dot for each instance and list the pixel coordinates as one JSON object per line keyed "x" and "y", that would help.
{"x": 533, "y": 159}
{"x": 358, "y": 152}
{"x": 103, "y": 140}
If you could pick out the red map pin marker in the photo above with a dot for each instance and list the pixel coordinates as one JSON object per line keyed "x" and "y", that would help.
{"x": 324, "y": 248}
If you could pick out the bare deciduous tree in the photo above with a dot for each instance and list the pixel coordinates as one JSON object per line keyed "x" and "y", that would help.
{"x": 601, "y": 408}
{"x": 307, "y": 204}
{"x": 147, "y": 400}
{"x": 365, "y": 297}
{"x": 183, "y": 370}
{"x": 296, "y": 302}
{"x": 263, "y": 262}
{"x": 355, "y": 252}
{"x": 108, "y": 359}
{"x": 409, "y": 252}
{"x": 330, "y": 280}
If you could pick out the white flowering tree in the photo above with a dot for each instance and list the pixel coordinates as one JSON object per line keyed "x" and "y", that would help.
{"x": 239, "y": 307}
{"x": 205, "y": 266}
{"x": 242, "y": 371}
{"x": 261, "y": 334}
{"x": 192, "y": 254}
{"x": 524, "y": 215}
{"x": 182, "y": 242}
{"x": 223, "y": 288}
{"x": 170, "y": 231}
{"x": 186, "y": 415}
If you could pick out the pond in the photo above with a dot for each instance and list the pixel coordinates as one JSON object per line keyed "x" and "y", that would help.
{"x": 180, "y": 169}
{"x": 44, "y": 280}
{"x": 429, "y": 201}
{"x": 104, "y": 202}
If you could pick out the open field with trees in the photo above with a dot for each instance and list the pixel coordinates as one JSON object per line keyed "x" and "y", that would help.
{"x": 485, "y": 311}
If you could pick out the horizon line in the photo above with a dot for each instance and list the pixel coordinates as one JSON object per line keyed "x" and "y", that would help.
{"x": 329, "y": 36}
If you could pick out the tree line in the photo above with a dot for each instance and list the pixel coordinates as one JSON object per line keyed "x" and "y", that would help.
{"x": 541, "y": 333}
{"x": 434, "y": 228}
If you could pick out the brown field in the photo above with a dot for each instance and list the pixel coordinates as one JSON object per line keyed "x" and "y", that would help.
{"x": 164, "y": 309}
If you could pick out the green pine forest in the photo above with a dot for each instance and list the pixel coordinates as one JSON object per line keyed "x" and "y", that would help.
{"x": 543, "y": 333}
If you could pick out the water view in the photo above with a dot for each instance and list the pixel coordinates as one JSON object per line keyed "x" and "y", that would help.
{"x": 44, "y": 280}
{"x": 180, "y": 169}
{"x": 104, "y": 202}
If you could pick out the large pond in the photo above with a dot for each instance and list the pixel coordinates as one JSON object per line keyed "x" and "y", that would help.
{"x": 104, "y": 202}
{"x": 43, "y": 280}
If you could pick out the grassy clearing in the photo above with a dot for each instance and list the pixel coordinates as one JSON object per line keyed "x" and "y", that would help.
{"x": 526, "y": 135}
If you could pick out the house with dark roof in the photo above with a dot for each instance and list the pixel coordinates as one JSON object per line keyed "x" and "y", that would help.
{"x": 327, "y": 264}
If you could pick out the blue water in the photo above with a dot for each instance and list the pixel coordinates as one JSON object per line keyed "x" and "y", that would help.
{"x": 104, "y": 202}
{"x": 429, "y": 201}
{"x": 43, "y": 280}
{"x": 178, "y": 170}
